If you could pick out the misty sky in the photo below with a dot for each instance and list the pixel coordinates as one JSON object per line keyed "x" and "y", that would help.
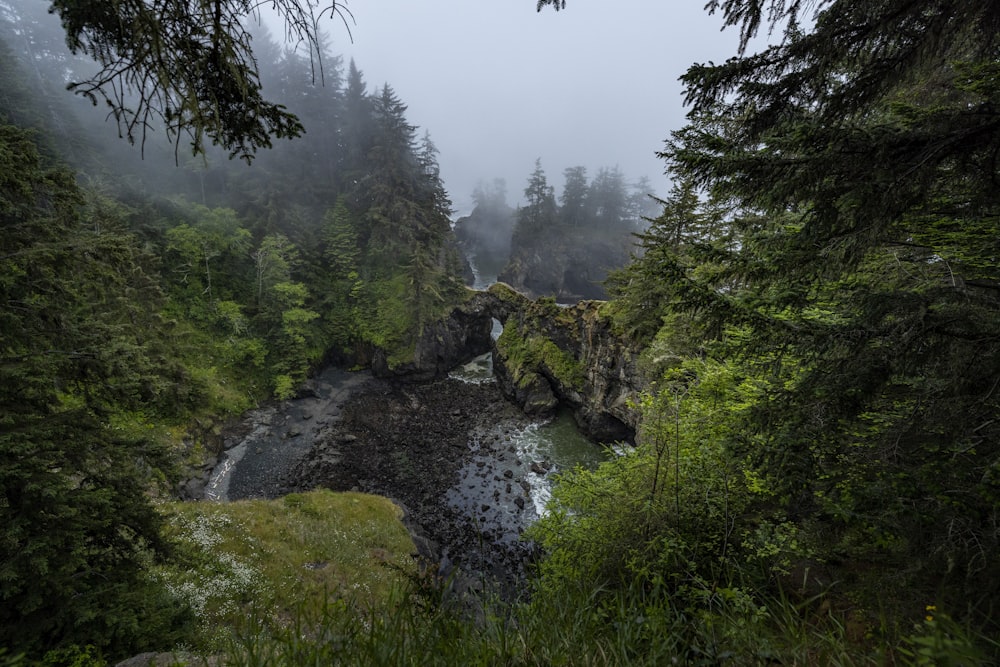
{"x": 499, "y": 85}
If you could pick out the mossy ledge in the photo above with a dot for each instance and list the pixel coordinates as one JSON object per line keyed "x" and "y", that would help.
{"x": 550, "y": 355}
{"x": 284, "y": 557}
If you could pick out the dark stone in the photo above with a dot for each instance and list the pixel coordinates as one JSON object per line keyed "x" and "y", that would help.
{"x": 592, "y": 370}
{"x": 463, "y": 335}
{"x": 433, "y": 442}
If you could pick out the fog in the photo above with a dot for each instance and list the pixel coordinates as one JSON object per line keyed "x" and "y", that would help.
{"x": 498, "y": 84}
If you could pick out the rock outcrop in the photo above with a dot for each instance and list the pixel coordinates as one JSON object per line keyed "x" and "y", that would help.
{"x": 485, "y": 234}
{"x": 550, "y": 355}
{"x": 567, "y": 267}
{"x": 547, "y": 356}
{"x": 463, "y": 335}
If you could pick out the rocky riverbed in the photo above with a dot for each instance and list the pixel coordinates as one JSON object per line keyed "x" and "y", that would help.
{"x": 445, "y": 452}
{"x": 449, "y": 452}
{"x": 263, "y": 449}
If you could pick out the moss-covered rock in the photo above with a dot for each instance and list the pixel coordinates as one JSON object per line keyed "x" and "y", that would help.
{"x": 455, "y": 339}
{"x": 550, "y": 355}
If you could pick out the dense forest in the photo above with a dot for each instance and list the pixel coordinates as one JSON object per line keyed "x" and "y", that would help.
{"x": 141, "y": 298}
{"x": 563, "y": 248}
{"x": 816, "y": 475}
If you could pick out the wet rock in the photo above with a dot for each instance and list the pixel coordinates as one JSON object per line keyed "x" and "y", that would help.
{"x": 308, "y": 389}
{"x": 458, "y": 338}
{"x": 580, "y": 360}
{"x": 193, "y": 488}
{"x": 448, "y": 434}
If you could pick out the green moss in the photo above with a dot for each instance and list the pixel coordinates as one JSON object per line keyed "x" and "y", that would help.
{"x": 563, "y": 365}
{"x": 526, "y": 355}
{"x": 508, "y": 294}
{"x": 286, "y": 556}
{"x": 512, "y": 345}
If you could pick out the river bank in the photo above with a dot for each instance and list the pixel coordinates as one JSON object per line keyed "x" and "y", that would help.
{"x": 445, "y": 452}
{"x": 462, "y": 461}
{"x": 262, "y": 449}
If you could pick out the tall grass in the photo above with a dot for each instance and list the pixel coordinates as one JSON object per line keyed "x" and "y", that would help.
{"x": 586, "y": 627}
{"x": 327, "y": 579}
{"x": 284, "y": 559}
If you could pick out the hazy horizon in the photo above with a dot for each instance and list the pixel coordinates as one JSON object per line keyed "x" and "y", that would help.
{"x": 498, "y": 85}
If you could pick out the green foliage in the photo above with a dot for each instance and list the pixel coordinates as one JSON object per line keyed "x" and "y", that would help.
{"x": 536, "y": 353}
{"x": 191, "y": 68}
{"x": 833, "y": 234}
{"x": 679, "y": 510}
{"x": 340, "y": 236}
{"x": 79, "y": 529}
{"x": 583, "y": 626}
{"x": 74, "y": 656}
{"x": 939, "y": 640}
{"x": 385, "y": 317}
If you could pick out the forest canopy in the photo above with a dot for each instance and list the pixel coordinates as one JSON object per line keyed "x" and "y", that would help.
{"x": 189, "y": 66}
{"x": 826, "y": 267}
{"x": 816, "y": 312}
{"x": 142, "y": 302}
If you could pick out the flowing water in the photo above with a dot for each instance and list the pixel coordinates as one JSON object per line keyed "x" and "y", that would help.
{"x": 509, "y": 460}
{"x": 512, "y": 462}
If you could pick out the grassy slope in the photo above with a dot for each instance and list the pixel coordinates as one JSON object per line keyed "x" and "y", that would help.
{"x": 282, "y": 558}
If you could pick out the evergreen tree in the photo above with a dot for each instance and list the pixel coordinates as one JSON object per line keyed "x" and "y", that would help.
{"x": 491, "y": 196}
{"x": 340, "y": 237}
{"x": 538, "y": 215}
{"x": 574, "y": 209}
{"x": 190, "y": 66}
{"x": 76, "y": 312}
{"x": 358, "y": 125}
{"x": 607, "y": 199}
{"x": 642, "y": 203}
{"x": 437, "y": 197}
{"x": 857, "y": 163}
{"x": 390, "y": 188}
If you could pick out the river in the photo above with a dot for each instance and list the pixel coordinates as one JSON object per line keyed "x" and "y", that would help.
{"x": 543, "y": 448}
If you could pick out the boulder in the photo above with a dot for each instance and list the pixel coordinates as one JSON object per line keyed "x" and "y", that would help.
{"x": 549, "y": 356}
{"x": 456, "y": 339}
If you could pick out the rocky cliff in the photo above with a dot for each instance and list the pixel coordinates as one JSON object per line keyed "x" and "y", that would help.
{"x": 547, "y": 356}
{"x": 442, "y": 345}
{"x": 569, "y": 267}
{"x": 550, "y": 355}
